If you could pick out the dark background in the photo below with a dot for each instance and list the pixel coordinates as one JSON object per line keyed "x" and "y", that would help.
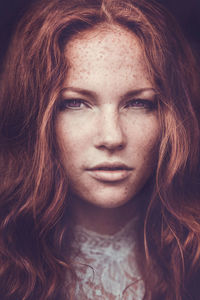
{"x": 187, "y": 13}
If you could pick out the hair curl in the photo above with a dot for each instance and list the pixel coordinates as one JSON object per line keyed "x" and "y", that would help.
{"x": 35, "y": 230}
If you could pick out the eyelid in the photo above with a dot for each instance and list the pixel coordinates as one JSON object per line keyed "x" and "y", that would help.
{"x": 65, "y": 101}
{"x": 147, "y": 103}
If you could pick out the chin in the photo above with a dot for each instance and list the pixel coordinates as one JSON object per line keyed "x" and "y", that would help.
{"x": 108, "y": 204}
{"x": 108, "y": 200}
{"x": 106, "y": 196}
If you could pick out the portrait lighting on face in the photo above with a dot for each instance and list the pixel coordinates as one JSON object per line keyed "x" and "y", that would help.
{"x": 107, "y": 125}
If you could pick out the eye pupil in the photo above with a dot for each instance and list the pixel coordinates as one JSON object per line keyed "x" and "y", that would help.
{"x": 71, "y": 104}
{"x": 74, "y": 103}
{"x": 140, "y": 103}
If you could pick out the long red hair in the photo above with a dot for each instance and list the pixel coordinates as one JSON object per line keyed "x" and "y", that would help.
{"x": 35, "y": 229}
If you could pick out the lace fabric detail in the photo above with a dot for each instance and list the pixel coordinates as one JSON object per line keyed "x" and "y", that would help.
{"x": 106, "y": 267}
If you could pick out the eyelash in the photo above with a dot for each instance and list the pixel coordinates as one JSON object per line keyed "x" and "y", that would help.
{"x": 134, "y": 103}
{"x": 66, "y": 102}
{"x": 141, "y": 104}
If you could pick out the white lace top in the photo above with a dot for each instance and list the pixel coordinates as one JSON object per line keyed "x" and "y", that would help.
{"x": 107, "y": 267}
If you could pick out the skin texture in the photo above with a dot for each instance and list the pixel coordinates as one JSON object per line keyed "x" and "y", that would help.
{"x": 108, "y": 123}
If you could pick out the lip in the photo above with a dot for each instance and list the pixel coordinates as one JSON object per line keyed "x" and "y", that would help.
{"x": 110, "y": 172}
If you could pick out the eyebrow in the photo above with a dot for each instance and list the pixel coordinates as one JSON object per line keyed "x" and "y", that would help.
{"x": 92, "y": 94}
{"x": 136, "y": 92}
{"x": 84, "y": 92}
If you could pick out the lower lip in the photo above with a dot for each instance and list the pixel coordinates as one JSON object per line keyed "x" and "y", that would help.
{"x": 110, "y": 176}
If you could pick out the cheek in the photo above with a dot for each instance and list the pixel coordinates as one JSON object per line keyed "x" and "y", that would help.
{"x": 145, "y": 143}
{"x": 72, "y": 139}
{"x": 72, "y": 130}
{"x": 67, "y": 133}
{"x": 144, "y": 133}
{"x": 151, "y": 148}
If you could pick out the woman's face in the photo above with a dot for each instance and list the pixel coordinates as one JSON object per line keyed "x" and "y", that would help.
{"x": 107, "y": 125}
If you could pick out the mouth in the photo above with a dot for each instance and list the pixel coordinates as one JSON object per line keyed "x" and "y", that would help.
{"x": 110, "y": 172}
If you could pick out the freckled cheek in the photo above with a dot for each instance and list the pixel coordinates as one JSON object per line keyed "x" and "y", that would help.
{"x": 152, "y": 147}
{"x": 72, "y": 140}
{"x": 71, "y": 130}
{"x": 70, "y": 151}
{"x": 144, "y": 139}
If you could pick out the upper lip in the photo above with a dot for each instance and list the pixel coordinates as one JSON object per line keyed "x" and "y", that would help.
{"x": 107, "y": 166}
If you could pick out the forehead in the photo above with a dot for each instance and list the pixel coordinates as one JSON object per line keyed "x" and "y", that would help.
{"x": 108, "y": 51}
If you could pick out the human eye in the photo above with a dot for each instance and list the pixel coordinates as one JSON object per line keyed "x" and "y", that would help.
{"x": 141, "y": 104}
{"x": 73, "y": 104}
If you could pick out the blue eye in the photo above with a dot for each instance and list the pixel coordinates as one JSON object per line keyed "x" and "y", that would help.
{"x": 72, "y": 104}
{"x": 141, "y": 103}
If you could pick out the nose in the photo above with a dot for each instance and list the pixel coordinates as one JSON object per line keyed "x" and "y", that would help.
{"x": 110, "y": 132}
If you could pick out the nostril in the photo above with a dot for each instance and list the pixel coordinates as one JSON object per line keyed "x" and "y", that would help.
{"x": 110, "y": 146}
{"x": 120, "y": 146}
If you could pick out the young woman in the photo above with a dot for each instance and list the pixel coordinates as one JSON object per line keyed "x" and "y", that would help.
{"x": 99, "y": 159}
